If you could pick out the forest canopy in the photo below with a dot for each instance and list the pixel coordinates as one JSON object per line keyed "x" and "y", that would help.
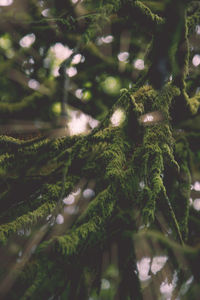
{"x": 99, "y": 149}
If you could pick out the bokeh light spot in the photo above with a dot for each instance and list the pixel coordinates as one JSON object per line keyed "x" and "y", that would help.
{"x": 143, "y": 267}
{"x": 196, "y": 204}
{"x": 123, "y": 56}
{"x": 59, "y": 219}
{"x": 105, "y": 284}
{"x": 33, "y": 84}
{"x": 60, "y": 51}
{"x": 196, "y": 60}
{"x": 79, "y": 93}
{"x": 27, "y": 40}
{"x": 56, "y": 108}
{"x": 139, "y": 64}
{"x": 88, "y": 193}
{"x": 198, "y": 29}
{"x": 77, "y": 59}
{"x": 69, "y": 200}
{"x": 158, "y": 263}
{"x": 117, "y": 117}
{"x": 111, "y": 85}
{"x": 46, "y": 12}
{"x": 196, "y": 186}
{"x": 72, "y": 71}
{"x": 6, "y": 2}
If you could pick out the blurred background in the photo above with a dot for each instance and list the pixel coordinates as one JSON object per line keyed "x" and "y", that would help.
{"x": 60, "y": 74}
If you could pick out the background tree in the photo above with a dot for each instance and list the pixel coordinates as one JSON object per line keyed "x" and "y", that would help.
{"x": 99, "y": 149}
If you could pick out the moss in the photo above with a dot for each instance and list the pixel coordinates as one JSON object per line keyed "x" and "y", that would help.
{"x": 86, "y": 233}
{"x": 149, "y": 206}
{"x": 141, "y": 171}
{"x": 182, "y": 192}
{"x": 26, "y": 108}
{"x": 164, "y": 98}
{"x": 35, "y": 286}
{"x": 181, "y": 251}
{"x": 194, "y": 104}
{"x": 25, "y": 220}
{"x": 149, "y": 159}
{"x": 123, "y": 164}
{"x": 143, "y": 17}
{"x": 44, "y": 204}
{"x": 193, "y": 20}
{"x": 90, "y": 222}
{"x": 97, "y": 21}
{"x": 42, "y": 152}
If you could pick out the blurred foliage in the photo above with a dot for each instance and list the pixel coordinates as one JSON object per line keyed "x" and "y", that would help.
{"x": 99, "y": 149}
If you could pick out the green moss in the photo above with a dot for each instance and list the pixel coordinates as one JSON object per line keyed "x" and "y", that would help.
{"x": 182, "y": 191}
{"x": 193, "y": 20}
{"x": 28, "y": 219}
{"x": 194, "y": 104}
{"x": 141, "y": 171}
{"x": 90, "y": 222}
{"x": 142, "y": 16}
